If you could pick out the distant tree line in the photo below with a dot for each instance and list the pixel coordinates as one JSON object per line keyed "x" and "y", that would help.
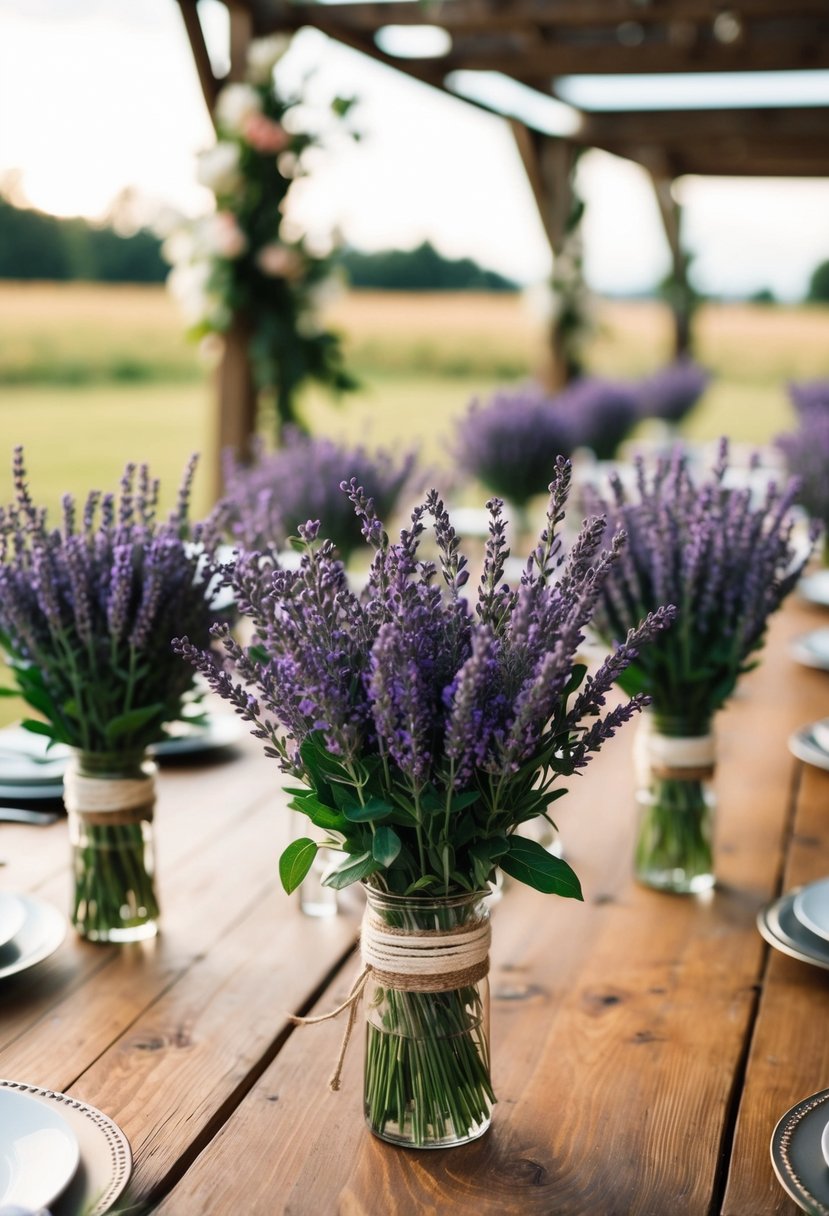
{"x": 38, "y": 246}
{"x": 420, "y": 269}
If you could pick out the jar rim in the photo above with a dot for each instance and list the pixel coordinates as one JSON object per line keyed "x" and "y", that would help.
{"x": 422, "y": 899}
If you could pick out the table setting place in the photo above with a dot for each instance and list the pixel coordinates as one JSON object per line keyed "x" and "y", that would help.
{"x": 797, "y": 924}
{"x": 58, "y": 1155}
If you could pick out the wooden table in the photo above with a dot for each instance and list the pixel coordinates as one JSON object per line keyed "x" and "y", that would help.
{"x": 644, "y": 1045}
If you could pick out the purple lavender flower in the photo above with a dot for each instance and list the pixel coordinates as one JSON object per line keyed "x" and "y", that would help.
{"x": 727, "y": 566}
{"x": 806, "y": 452}
{"x": 266, "y": 501}
{"x": 426, "y": 731}
{"x": 599, "y": 413}
{"x": 87, "y": 615}
{"x": 510, "y": 444}
{"x": 673, "y": 391}
{"x": 809, "y": 394}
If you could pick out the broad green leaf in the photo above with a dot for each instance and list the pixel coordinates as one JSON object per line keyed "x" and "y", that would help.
{"x": 318, "y": 813}
{"x": 295, "y": 862}
{"x": 133, "y": 720}
{"x": 530, "y": 863}
{"x": 576, "y": 679}
{"x": 353, "y": 869}
{"x": 372, "y": 810}
{"x": 40, "y": 728}
{"x": 386, "y": 845}
{"x": 461, "y": 801}
{"x": 9, "y": 692}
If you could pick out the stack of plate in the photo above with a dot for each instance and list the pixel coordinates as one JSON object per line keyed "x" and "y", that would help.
{"x": 59, "y": 1152}
{"x": 30, "y": 930}
{"x": 811, "y": 743}
{"x": 798, "y": 923}
{"x": 815, "y": 588}
{"x": 27, "y": 770}
{"x": 800, "y": 1153}
{"x": 812, "y": 649}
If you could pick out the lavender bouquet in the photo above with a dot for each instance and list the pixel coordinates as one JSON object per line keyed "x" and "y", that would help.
{"x": 810, "y": 394}
{"x": 672, "y": 392}
{"x": 265, "y": 502}
{"x": 806, "y": 452}
{"x": 600, "y": 414}
{"x": 511, "y": 444}
{"x": 727, "y": 566}
{"x": 87, "y": 611}
{"x": 424, "y": 732}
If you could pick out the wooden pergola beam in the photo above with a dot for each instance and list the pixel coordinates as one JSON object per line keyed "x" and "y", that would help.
{"x": 204, "y": 68}
{"x": 490, "y": 16}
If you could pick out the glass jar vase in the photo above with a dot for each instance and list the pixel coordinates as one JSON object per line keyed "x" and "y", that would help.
{"x": 427, "y": 1073}
{"x": 676, "y": 804}
{"x": 109, "y": 800}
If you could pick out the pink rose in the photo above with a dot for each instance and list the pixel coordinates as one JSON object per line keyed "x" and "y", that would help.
{"x": 279, "y": 262}
{"x": 226, "y": 237}
{"x": 265, "y": 135}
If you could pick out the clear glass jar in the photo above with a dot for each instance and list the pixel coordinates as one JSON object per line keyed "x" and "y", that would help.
{"x": 676, "y": 804}
{"x": 109, "y": 800}
{"x": 427, "y": 1067}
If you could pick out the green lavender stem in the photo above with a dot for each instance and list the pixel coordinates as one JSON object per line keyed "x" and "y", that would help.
{"x": 427, "y": 1069}
{"x": 114, "y": 893}
{"x": 673, "y": 847}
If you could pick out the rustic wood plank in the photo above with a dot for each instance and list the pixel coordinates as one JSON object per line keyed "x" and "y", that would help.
{"x": 790, "y": 1050}
{"x": 619, "y": 1026}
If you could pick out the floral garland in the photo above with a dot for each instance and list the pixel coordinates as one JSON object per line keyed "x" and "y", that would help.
{"x": 238, "y": 265}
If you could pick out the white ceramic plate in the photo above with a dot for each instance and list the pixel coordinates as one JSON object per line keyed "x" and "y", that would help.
{"x": 105, "y": 1155}
{"x": 782, "y": 930}
{"x": 824, "y": 1143}
{"x": 806, "y": 746}
{"x": 812, "y": 649}
{"x": 24, "y": 759}
{"x": 811, "y": 907}
{"x": 815, "y": 588}
{"x": 797, "y": 1157}
{"x": 220, "y": 730}
{"x": 39, "y": 1151}
{"x": 820, "y": 734}
{"x": 12, "y": 915}
{"x": 43, "y": 930}
{"x": 51, "y": 791}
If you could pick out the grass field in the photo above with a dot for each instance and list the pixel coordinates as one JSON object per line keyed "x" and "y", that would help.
{"x": 91, "y": 376}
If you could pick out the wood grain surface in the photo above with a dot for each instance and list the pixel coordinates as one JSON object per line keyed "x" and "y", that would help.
{"x": 644, "y": 1045}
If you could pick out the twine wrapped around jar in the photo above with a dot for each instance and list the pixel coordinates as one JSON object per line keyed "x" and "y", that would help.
{"x": 109, "y": 801}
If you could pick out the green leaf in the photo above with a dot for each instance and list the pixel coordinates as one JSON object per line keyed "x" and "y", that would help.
{"x": 319, "y": 813}
{"x": 132, "y": 721}
{"x": 576, "y": 680}
{"x": 370, "y": 811}
{"x": 353, "y": 869}
{"x": 386, "y": 845}
{"x": 530, "y": 863}
{"x": 295, "y": 862}
{"x": 40, "y": 728}
{"x": 427, "y": 880}
{"x": 9, "y": 692}
{"x": 461, "y": 801}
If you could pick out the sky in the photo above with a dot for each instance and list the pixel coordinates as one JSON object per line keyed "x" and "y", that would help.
{"x": 99, "y": 95}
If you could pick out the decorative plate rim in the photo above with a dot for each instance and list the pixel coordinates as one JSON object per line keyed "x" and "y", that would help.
{"x": 117, "y": 1142}
{"x": 781, "y": 1139}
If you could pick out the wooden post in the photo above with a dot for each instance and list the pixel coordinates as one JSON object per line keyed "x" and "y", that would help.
{"x": 549, "y": 164}
{"x": 680, "y": 300}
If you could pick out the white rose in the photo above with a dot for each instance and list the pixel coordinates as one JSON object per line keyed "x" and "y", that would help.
{"x": 188, "y": 286}
{"x": 224, "y": 236}
{"x": 178, "y": 247}
{"x": 235, "y": 103}
{"x": 263, "y": 56}
{"x": 218, "y": 168}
